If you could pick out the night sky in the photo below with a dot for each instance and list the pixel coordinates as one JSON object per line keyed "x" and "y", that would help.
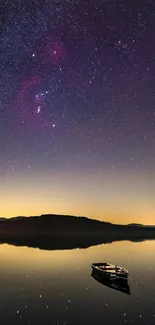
{"x": 77, "y": 108}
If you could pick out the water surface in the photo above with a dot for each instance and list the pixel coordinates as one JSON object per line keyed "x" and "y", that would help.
{"x": 56, "y": 287}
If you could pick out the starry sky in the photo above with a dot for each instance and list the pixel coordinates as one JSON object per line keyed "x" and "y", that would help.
{"x": 77, "y": 109}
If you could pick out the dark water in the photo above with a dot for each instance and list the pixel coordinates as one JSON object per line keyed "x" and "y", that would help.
{"x": 56, "y": 287}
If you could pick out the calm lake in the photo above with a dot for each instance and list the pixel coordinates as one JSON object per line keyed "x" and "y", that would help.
{"x": 56, "y": 287}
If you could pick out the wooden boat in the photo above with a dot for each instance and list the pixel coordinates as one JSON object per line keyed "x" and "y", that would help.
{"x": 110, "y": 271}
{"x": 116, "y": 284}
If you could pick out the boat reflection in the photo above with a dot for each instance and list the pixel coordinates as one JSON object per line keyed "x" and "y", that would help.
{"x": 116, "y": 284}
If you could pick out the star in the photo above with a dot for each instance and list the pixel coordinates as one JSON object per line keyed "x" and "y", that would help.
{"x": 38, "y": 109}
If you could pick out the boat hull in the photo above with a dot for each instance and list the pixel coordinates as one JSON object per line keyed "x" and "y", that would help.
{"x": 116, "y": 284}
{"x": 107, "y": 273}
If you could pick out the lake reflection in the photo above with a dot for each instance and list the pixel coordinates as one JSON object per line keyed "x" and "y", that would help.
{"x": 56, "y": 287}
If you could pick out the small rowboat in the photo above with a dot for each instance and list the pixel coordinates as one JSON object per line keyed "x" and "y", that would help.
{"x": 110, "y": 271}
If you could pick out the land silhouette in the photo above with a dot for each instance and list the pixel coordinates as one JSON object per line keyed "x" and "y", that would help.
{"x": 67, "y": 232}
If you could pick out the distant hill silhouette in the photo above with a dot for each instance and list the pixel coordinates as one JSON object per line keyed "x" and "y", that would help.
{"x": 135, "y": 224}
{"x": 141, "y": 225}
{"x": 66, "y": 232}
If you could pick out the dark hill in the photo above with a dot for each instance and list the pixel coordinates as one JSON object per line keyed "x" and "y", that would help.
{"x": 53, "y": 224}
{"x": 58, "y": 232}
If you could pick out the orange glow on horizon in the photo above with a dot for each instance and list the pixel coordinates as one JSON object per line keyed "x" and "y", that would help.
{"x": 109, "y": 196}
